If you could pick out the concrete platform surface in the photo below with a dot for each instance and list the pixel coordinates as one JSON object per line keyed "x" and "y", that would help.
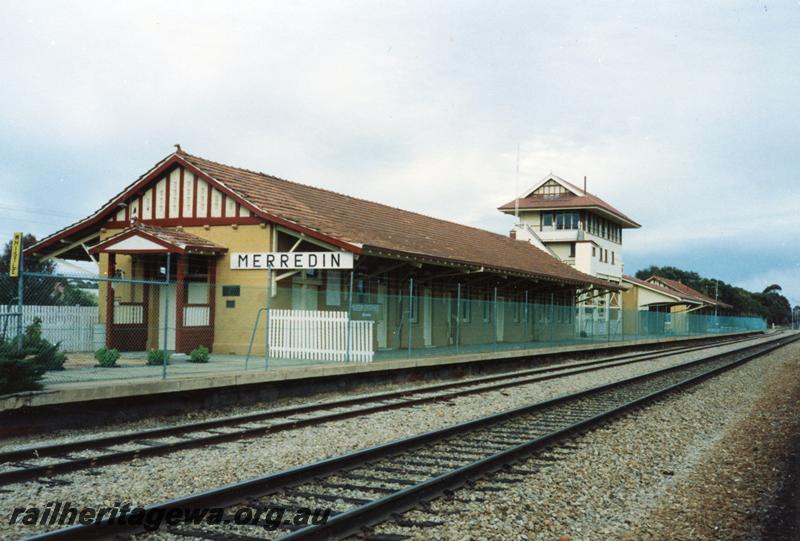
{"x": 133, "y": 381}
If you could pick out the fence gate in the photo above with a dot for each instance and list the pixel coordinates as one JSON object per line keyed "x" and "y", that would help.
{"x": 319, "y": 335}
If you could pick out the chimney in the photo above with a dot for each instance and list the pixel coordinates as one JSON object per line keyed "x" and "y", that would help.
{"x": 584, "y": 183}
{"x": 513, "y": 234}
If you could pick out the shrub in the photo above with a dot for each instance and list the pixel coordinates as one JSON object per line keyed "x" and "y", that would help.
{"x": 32, "y": 340}
{"x": 106, "y": 357}
{"x": 199, "y": 355}
{"x": 155, "y": 357}
{"x": 9, "y": 349}
{"x": 19, "y": 375}
{"x": 43, "y": 353}
{"x": 48, "y": 357}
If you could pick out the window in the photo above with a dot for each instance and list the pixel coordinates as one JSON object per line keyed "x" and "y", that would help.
{"x": 333, "y": 288}
{"x": 466, "y": 307}
{"x": 572, "y": 249}
{"x": 414, "y": 305}
{"x": 612, "y": 258}
{"x": 231, "y": 291}
{"x": 594, "y": 251}
{"x": 547, "y": 219}
{"x": 567, "y": 220}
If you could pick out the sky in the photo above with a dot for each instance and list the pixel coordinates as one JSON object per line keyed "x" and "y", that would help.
{"x": 684, "y": 115}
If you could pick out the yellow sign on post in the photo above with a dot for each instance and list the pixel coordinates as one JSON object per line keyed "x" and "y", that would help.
{"x": 16, "y": 245}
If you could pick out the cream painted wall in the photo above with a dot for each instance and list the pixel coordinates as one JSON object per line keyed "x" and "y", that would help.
{"x": 234, "y": 326}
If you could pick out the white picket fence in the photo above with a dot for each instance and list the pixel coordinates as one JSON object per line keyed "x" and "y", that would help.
{"x": 73, "y": 326}
{"x": 318, "y": 335}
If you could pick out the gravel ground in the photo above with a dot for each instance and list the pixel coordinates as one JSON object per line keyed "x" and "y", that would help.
{"x": 154, "y": 479}
{"x": 705, "y": 464}
{"x": 202, "y": 415}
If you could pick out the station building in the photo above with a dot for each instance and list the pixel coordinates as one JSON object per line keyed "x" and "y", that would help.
{"x": 671, "y": 298}
{"x": 583, "y": 231}
{"x": 422, "y": 281}
{"x": 659, "y": 294}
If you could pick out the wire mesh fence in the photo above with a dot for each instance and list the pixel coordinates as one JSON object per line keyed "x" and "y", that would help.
{"x": 179, "y": 322}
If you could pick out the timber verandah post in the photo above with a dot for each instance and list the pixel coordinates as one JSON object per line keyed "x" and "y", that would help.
{"x": 494, "y": 318}
{"x": 180, "y": 301}
{"x": 110, "y": 271}
{"x": 410, "y": 311}
{"x": 458, "y": 318}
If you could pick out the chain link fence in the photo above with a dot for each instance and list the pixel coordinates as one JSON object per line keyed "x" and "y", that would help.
{"x": 179, "y": 322}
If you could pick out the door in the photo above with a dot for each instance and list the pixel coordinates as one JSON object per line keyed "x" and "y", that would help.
{"x": 383, "y": 313}
{"x": 501, "y": 319}
{"x": 449, "y": 309}
{"x": 305, "y": 297}
{"x": 427, "y": 315}
{"x": 167, "y": 301}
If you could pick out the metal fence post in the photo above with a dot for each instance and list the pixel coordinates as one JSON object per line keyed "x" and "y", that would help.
{"x": 20, "y": 292}
{"x": 166, "y": 320}
{"x": 267, "y": 320}
{"x": 458, "y": 318}
{"x": 410, "y": 311}
{"x": 349, "y": 315}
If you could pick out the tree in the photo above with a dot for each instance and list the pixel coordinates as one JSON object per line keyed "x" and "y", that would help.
{"x": 40, "y": 290}
{"x": 772, "y": 288}
{"x": 769, "y": 304}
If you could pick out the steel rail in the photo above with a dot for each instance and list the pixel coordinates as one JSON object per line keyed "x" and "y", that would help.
{"x": 372, "y": 512}
{"x": 377, "y": 401}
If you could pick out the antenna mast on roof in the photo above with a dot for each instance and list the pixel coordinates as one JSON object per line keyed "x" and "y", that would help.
{"x": 516, "y": 189}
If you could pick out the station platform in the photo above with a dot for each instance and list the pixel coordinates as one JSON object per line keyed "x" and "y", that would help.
{"x": 204, "y": 380}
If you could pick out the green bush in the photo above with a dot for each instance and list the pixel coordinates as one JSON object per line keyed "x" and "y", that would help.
{"x": 32, "y": 340}
{"x": 19, "y": 375}
{"x": 199, "y": 355}
{"x": 106, "y": 357}
{"x": 43, "y": 353}
{"x": 48, "y": 357}
{"x": 22, "y": 368}
{"x": 155, "y": 357}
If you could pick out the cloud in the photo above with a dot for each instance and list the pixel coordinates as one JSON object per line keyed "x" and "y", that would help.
{"x": 682, "y": 116}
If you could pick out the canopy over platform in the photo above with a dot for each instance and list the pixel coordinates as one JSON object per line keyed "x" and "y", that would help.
{"x": 148, "y": 239}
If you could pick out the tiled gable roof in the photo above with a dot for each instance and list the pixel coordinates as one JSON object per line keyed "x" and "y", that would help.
{"x": 382, "y": 228}
{"x": 567, "y": 201}
{"x": 182, "y": 240}
{"x": 685, "y": 291}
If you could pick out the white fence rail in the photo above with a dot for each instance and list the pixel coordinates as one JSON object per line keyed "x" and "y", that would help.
{"x": 318, "y": 335}
{"x": 128, "y": 314}
{"x": 196, "y": 316}
{"x": 73, "y": 326}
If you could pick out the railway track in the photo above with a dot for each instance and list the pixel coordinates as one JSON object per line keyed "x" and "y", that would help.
{"x": 377, "y": 484}
{"x": 47, "y": 460}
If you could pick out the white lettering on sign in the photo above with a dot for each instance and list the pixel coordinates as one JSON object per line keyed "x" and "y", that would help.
{"x": 291, "y": 260}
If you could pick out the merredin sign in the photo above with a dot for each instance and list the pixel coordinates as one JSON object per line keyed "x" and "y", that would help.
{"x": 291, "y": 260}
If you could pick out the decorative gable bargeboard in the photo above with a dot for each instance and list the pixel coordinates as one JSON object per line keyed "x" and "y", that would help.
{"x": 180, "y": 197}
